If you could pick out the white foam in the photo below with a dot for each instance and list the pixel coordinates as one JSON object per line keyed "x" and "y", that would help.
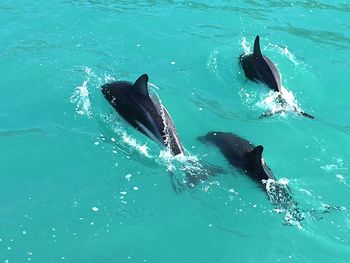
{"x": 279, "y": 196}
{"x": 120, "y": 128}
{"x": 81, "y": 98}
{"x": 285, "y": 52}
{"x": 337, "y": 166}
{"x": 212, "y": 63}
{"x": 340, "y": 177}
{"x": 283, "y": 181}
{"x": 108, "y": 78}
{"x": 143, "y": 149}
{"x": 305, "y": 191}
{"x": 271, "y": 102}
{"x": 246, "y": 46}
{"x": 128, "y": 177}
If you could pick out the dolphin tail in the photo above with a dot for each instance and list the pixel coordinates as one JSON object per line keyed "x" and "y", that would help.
{"x": 197, "y": 173}
{"x": 302, "y": 113}
{"x": 318, "y": 214}
{"x": 270, "y": 113}
{"x": 282, "y": 101}
{"x": 202, "y": 139}
{"x": 177, "y": 186}
{"x": 299, "y": 111}
{"x": 213, "y": 170}
{"x": 307, "y": 115}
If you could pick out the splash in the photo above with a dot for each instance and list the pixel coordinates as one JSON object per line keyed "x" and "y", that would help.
{"x": 119, "y": 129}
{"x": 141, "y": 148}
{"x": 286, "y": 52}
{"x": 186, "y": 170}
{"x": 81, "y": 95}
{"x": 338, "y": 168}
{"x": 167, "y": 156}
{"x": 212, "y": 62}
{"x": 281, "y": 198}
{"x": 81, "y": 98}
{"x": 246, "y": 46}
{"x": 108, "y": 78}
{"x": 280, "y": 102}
{"x": 269, "y": 102}
{"x": 89, "y": 72}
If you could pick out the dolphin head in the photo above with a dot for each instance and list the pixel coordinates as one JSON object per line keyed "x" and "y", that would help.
{"x": 215, "y": 138}
{"x": 116, "y": 91}
{"x": 204, "y": 139}
{"x": 121, "y": 93}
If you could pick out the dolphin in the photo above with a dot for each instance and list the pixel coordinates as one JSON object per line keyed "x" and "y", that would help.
{"x": 146, "y": 114}
{"x": 241, "y": 154}
{"x": 259, "y": 68}
{"x": 247, "y": 157}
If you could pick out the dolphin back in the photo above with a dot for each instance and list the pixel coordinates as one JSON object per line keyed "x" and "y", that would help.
{"x": 133, "y": 102}
{"x": 170, "y": 136}
{"x": 273, "y": 81}
{"x": 265, "y": 68}
{"x": 260, "y": 68}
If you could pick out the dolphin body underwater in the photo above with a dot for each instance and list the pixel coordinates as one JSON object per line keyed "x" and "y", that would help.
{"x": 240, "y": 153}
{"x": 259, "y": 68}
{"x": 147, "y": 115}
{"x": 247, "y": 157}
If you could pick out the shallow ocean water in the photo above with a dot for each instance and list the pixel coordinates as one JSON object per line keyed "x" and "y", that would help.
{"x": 79, "y": 185}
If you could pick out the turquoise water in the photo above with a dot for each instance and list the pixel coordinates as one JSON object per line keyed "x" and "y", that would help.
{"x": 78, "y": 185}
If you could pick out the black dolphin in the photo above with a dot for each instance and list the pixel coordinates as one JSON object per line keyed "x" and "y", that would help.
{"x": 240, "y": 153}
{"x": 259, "y": 68}
{"x": 133, "y": 102}
{"x": 245, "y": 156}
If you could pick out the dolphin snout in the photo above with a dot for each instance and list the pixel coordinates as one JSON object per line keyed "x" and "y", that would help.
{"x": 206, "y": 138}
{"x": 201, "y": 139}
{"x": 105, "y": 89}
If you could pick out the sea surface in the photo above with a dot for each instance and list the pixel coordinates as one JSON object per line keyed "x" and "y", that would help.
{"x": 77, "y": 184}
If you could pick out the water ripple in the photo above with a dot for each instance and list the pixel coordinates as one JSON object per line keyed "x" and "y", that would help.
{"x": 321, "y": 37}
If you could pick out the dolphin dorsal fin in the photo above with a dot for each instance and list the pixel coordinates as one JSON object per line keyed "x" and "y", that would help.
{"x": 257, "y": 51}
{"x": 141, "y": 86}
{"x": 256, "y": 153}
